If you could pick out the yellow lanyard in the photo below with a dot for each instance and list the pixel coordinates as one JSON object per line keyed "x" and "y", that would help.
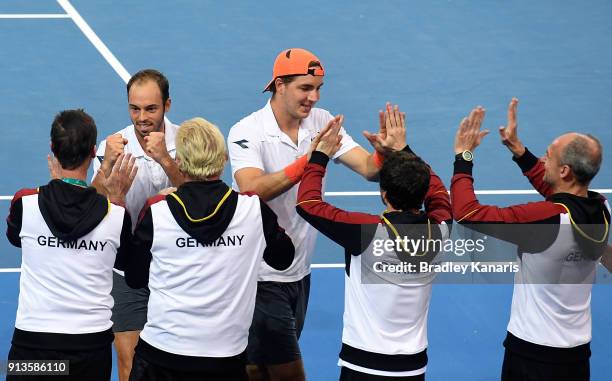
{"x": 575, "y": 225}
{"x": 394, "y": 230}
{"x": 176, "y": 197}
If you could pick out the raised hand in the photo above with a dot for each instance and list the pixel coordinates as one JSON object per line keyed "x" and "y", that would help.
{"x": 55, "y": 169}
{"x": 122, "y": 175}
{"x": 329, "y": 139}
{"x": 469, "y": 134}
{"x": 395, "y": 128}
{"x": 337, "y": 121}
{"x": 392, "y": 132}
{"x": 508, "y": 134}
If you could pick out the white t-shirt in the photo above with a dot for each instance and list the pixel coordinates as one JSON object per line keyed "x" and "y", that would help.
{"x": 257, "y": 142}
{"x": 151, "y": 177}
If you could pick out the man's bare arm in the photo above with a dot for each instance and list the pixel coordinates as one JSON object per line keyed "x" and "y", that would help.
{"x": 155, "y": 146}
{"x": 390, "y": 137}
{"x": 270, "y": 185}
{"x": 172, "y": 171}
{"x": 362, "y": 162}
{"x": 266, "y": 185}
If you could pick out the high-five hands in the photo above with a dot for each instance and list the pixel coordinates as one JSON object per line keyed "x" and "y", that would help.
{"x": 391, "y": 135}
{"x": 508, "y": 134}
{"x": 329, "y": 139}
{"x": 469, "y": 134}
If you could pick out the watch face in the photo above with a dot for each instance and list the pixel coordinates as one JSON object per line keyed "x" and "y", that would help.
{"x": 467, "y": 155}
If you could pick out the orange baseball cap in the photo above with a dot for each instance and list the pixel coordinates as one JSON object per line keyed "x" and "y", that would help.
{"x": 295, "y": 61}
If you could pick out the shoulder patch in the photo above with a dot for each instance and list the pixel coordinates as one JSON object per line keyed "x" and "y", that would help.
{"x": 150, "y": 201}
{"x": 22, "y": 193}
{"x": 155, "y": 199}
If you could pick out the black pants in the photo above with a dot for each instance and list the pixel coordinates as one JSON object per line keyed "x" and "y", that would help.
{"x": 93, "y": 365}
{"x": 519, "y": 368}
{"x": 278, "y": 319}
{"x": 142, "y": 370}
{"x": 347, "y": 374}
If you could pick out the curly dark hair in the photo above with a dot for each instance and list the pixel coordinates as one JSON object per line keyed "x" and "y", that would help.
{"x": 405, "y": 177}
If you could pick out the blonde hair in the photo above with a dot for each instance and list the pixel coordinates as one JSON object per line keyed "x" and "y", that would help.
{"x": 200, "y": 149}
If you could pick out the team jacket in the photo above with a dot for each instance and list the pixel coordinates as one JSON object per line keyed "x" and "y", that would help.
{"x": 385, "y": 324}
{"x": 200, "y": 250}
{"x": 69, "y": 237}
{"x": 559, "y": 243}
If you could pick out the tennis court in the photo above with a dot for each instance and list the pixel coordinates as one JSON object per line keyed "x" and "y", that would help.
{"x": 436, "y": 59}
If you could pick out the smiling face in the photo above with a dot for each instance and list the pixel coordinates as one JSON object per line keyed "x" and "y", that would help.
{"x": 147, "y": 108}
{"x": 299, "y": 96}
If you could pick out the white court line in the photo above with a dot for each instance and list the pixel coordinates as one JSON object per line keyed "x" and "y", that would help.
{"x": 485, "y": 192}
{"x": 95, "y": 40}
{"x": 10, "y": 270}
{"x": 314, "y": 266}
{"x": 33, "y": 16}
{"x": 327, "y": 265}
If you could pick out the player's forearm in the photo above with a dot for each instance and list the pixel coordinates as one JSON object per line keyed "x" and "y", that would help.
{"x": 172, "y": 171}
{"x": 373, "y": 165}
{"x": 361, "y": 162}
{"x": 107, "y": 165}
{"x": 268, "y": 186}
{"x": 517, "y": 148}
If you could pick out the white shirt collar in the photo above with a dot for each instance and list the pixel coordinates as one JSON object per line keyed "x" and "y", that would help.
{"x": 270, "y": 124}
{"x": 272, "y": 129}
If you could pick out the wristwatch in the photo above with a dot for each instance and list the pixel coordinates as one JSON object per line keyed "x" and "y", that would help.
{"x": 466, "y": 155}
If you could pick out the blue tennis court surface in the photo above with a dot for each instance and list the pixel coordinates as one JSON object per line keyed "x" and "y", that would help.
{"x": 436, "y": 59}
